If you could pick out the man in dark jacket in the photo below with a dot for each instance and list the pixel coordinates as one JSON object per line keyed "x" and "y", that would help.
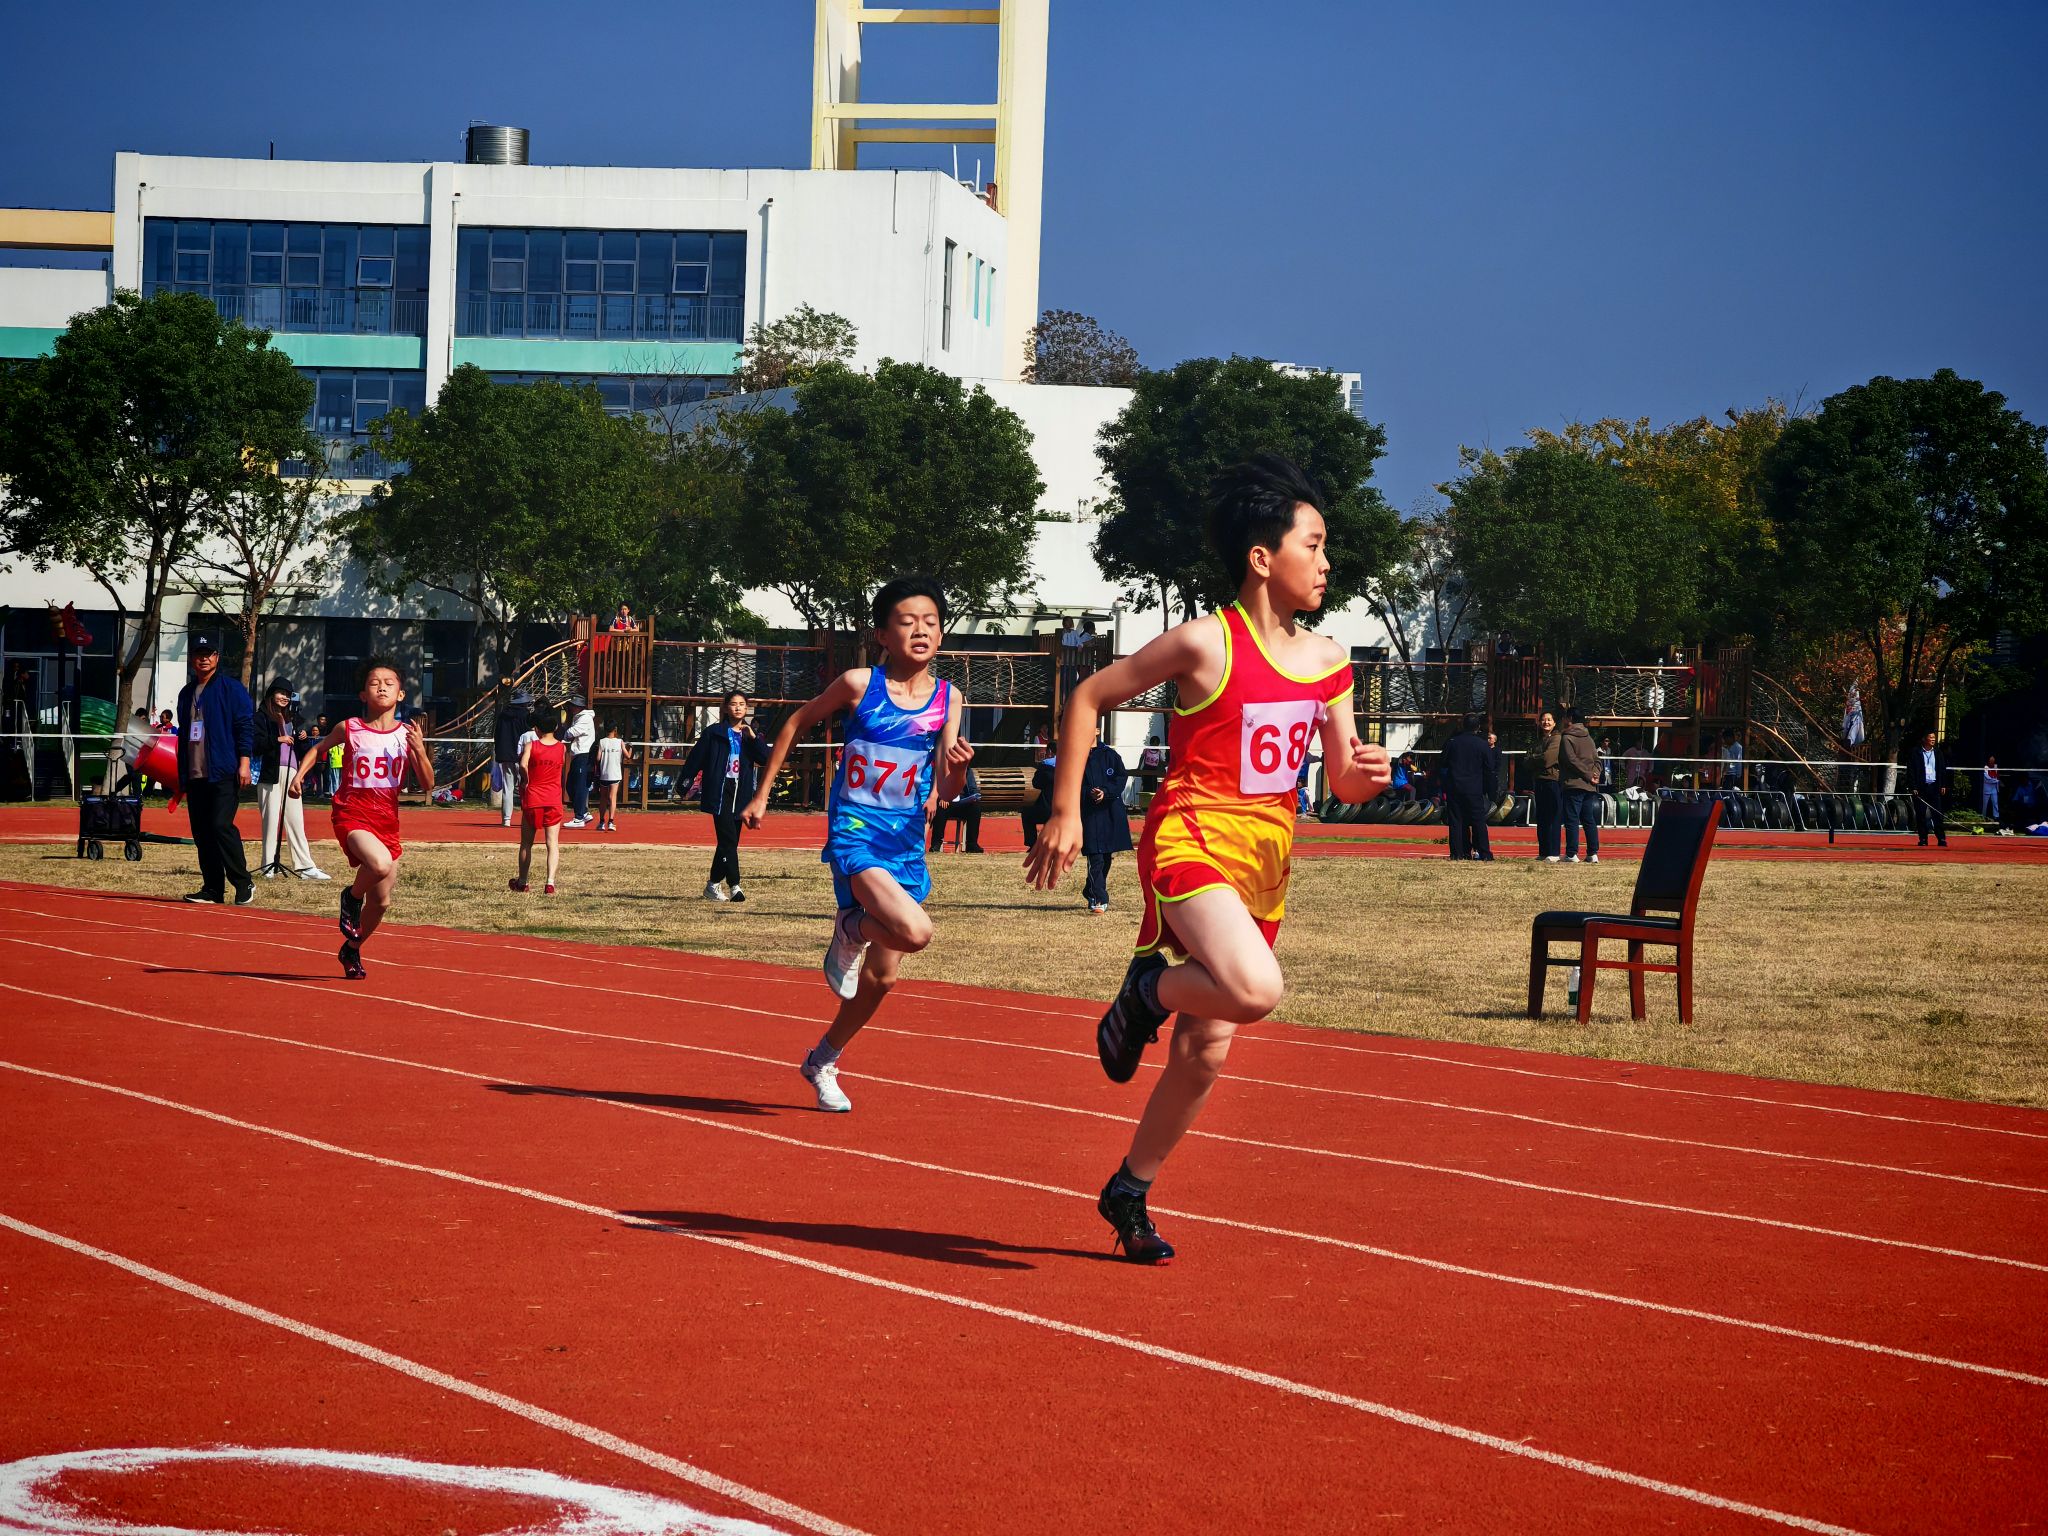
{"x": 216, "y": 739}
{"x": 1470, "y": 787}
{"x": 1925, "y": 776}
{"x": 729, "y": 757}
{"x": 1105, "y": 823}
{"x": 1579, "y": 766}
{"x": 505, "y": 748}
{"x": 1039, "y": 811}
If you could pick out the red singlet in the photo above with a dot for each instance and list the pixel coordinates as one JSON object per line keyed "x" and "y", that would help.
{"x": 372, "y": 767}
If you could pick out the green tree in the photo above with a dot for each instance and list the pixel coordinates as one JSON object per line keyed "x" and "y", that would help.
{"x": 518, "y": 501}
{"x": 1567, "y": 550}
{"x": 145, "y": 423}
{"x": 786, "y": 352}
{"x": 1186, "y": 423}
{"x": 1913, "y": 514}
{"x": 269, "y": 536}
{"x": 1422, "y": 597}
{"x": 875, "y": 477}
{"x": 1066, "y": 347}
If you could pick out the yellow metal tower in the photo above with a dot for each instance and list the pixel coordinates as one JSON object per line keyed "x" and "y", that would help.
{"x": 1014, "y": 123}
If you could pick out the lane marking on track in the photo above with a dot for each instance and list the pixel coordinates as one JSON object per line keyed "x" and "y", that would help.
{"x": 1440, "y": 1266}
{"x": 725, "y": 1487}
{"x": 30, "y": 1502}
{"x": 1217, "y": 1136}
{"x": 1251, "y": 1377}
{"x": 967, "y": 997}
{"x": 1437, "y": 1104}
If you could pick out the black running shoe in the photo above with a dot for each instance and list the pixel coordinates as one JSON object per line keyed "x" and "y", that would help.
{"x": 351, "y": 916}
{"x": 1131, "y": 1023}
{"x": 1135, "y": 1234}
{"x": 352, "y": 962}
{"x": 204, "y": 898}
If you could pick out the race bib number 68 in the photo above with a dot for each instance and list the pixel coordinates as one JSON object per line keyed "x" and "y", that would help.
{"x": 1275, "y": 741}
{"x": 881, "y": 776}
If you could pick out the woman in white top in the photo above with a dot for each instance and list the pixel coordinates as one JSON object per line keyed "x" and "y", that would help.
{"x": 611, "y": 770}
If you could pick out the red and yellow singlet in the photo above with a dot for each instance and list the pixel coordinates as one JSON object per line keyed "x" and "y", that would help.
{"x": 1225, "y": 814}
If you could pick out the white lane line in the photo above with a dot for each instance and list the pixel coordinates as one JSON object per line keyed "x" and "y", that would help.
{"x": 1217, "y": 1136}
{"x": 725, "y": 1487}
{"x": 1445, "y": 1105}
{"x": 1440, "y": 1266}
{"x": 1247, "y": 1375}
{"x": 965, "y": 997}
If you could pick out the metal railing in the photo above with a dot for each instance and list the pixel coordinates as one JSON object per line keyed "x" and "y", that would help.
{"x": 603, "y": 317}
{"x": 326, "y": 311}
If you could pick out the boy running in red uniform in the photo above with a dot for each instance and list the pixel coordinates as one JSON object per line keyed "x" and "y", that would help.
{"x": 540, "y": 770}
{"x": 1213, "y": 859}
{"x": 375, "y": 752}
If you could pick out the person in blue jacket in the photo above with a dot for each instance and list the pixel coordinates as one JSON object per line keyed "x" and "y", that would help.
{"x": 729, "y": 757}
{"x": 216, "y": 739}
{"x": 1105, "y": 822}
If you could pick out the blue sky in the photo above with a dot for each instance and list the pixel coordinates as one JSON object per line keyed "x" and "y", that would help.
{"x": 1504, "y": 215}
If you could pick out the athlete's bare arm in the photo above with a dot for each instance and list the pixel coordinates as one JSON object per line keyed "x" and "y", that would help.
{"x": 314, "y": 754}
{"x": 1355, "y": 770}
{"x": 950, "y": 776}
{"x": 422, "y": 761}
{"x": 1189, "y": 655}
{"x": 843, "y": 692}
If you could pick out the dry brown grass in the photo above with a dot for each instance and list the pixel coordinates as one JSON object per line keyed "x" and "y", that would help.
{"x": 1924, "y": 978}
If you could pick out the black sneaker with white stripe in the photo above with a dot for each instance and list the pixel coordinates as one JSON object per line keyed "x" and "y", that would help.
{"x": 1131, "y": 1023}
{"x": 351, "y": 915}
{"x": 1135, "y": 1234}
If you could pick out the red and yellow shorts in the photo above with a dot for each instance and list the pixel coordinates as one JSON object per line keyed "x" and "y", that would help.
{"x": 1180, "y": 856}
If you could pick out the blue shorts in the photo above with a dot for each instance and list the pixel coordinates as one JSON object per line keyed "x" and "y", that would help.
{"x": 898, "y": 851}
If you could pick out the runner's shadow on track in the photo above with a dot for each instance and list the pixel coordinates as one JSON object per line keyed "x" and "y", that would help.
{"x": 697, "y": 1103}
{"x": 939, "y": 1247}
{"x": 193, "y": 970}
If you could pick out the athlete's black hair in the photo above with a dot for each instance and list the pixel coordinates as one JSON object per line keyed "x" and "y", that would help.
{"x": 1252, "y": 504}
{"x": 904, "y": 588}
{"x": 379, "y": 663}
{"x": 544, "y": 719}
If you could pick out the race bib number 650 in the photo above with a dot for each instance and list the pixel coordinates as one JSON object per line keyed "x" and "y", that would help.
{"x": 1275, "y": 741}
{"x": 881, "y": 776}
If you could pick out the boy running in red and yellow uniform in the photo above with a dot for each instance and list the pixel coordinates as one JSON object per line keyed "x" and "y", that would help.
{"x": 1213, "y": 860}
{"x": 375, "y": 752}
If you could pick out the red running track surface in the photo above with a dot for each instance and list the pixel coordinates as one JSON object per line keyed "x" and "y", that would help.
{"x": 521, "y": 1203}
{"x": 1004, "y": 834}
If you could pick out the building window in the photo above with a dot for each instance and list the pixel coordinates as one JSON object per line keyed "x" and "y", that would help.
{"x": 988, "y": 301}
{"x": 348, "y": 645}
{"x": 345, "y": 404}
{"x": 652, "y": 395}
{"x": 946, "y": 300}
{"x": 350, "y": 279}
{"x": 601, "y": 284}
{"x": 975, "y": 311}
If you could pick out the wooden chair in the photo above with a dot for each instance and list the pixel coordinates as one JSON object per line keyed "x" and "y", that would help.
{"x": 1674, "y": 864}
{"x": 1002, "y": 789}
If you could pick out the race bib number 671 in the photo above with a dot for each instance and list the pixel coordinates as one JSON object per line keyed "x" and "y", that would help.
{"x": 1275, "y": 741}
{"x": 882, "y": 776}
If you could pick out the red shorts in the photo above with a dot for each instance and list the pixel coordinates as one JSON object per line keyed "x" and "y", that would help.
{"x": 1175, "y": 883}
{"x": 346, "y": 821}
{"x": 541, "y": 817}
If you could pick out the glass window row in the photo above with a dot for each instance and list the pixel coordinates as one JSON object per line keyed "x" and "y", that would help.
{"x": 345, "y": 403}
{"x": 346, "y": 278}
{"x": 585, "y": 284}
{"x": 632, "y": 394}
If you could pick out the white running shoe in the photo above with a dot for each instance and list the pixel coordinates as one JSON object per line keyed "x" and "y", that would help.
{"x": 311, "y": 872}
{"x": 715, "y": 891}
{"x": 831, "y": 1097}
{"x": 845, "y": 953}
{"x": 1571, "y": 858}
{"x": 1550, "y": 858}
{"x": 1592, "y": 858}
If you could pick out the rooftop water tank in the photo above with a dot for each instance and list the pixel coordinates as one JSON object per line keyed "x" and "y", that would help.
{"x": 485, "y": 144}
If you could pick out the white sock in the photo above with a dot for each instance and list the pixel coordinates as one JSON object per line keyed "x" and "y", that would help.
{"x": 823, "y": 1054}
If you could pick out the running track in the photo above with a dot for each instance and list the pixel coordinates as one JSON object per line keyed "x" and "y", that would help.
{"x": 1005, "y": 834}
{"x": 521, "y": 1203}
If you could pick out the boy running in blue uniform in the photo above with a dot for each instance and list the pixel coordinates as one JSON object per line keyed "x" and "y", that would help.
{"x": 903, "y": 754}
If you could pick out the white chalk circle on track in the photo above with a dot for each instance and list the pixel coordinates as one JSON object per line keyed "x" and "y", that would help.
{"x": 589, "y": 1509}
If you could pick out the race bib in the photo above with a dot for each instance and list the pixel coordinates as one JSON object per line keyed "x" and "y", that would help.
{"x": 197, "y": 732}
{"x": 1275, "y": 741}
{"x": 881, "y": 776}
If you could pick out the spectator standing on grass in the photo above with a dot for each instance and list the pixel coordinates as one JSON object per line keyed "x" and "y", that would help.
{"x": 1105, "y": 823}
{"x": 580, "y": 739}
{"x": 1731, "y": 761}
{"x": 508, "y": 740}
{"x": 216, "y": 737}
{"x": 1989, "y": 799}
{"x": 1039, "y": 811}
{"x": 611, "y": 770}
{"x": 727, "y": 761}
{"x": 1579, "y": 765}
{"x": 1637, "y": 757}
{"x": 542, "y": 762}
{"x": 1500, "y": 767}
{"x": 284, "y": 814}
{"x": 335, "y": 754}
{"x": 1549, "y": 785}
{"x": 1469, "y": 790}
{"x": 1925, "y": 772}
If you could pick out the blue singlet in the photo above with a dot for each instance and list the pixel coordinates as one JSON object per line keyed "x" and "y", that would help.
{"x": 879, "y": 794}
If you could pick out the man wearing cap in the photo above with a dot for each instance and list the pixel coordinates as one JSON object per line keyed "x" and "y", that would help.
{"x": 216, "y": 739}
